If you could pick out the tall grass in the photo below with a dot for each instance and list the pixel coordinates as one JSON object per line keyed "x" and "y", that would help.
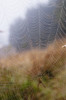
{"x": 38, "y": 74}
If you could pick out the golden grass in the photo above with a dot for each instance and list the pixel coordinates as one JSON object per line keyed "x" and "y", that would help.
{"x": 37, "y": 61}
{"x": 47, "y": 64}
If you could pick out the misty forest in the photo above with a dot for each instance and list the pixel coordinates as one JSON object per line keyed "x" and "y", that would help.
{"x": 33, "y": 64}
{"x": 41, "y": 26}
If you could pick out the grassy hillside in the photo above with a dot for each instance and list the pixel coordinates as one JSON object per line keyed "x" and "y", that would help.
{"x": 35, "y": 74}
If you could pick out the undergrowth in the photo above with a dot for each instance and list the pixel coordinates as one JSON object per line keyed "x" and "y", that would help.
{"x": 34, "y": 75}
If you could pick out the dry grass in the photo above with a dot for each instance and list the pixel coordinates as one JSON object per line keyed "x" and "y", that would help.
{"x": 23, "y": 71}
{"x": 36, "y": 61}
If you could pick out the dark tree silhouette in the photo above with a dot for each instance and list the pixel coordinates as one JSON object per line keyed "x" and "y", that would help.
{"x": 40, "y": 27}
{"x": 61, "y": 30}
{"x": 18, "y": 35}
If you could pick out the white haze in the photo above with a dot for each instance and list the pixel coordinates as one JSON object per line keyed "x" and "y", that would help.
{"x": 9, "y": 11}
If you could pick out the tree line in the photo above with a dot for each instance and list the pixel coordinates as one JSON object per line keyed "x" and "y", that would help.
{"x": 40, "y": 27}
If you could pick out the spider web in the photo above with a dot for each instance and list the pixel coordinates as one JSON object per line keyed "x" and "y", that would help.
{"x": 40, "y": 28}
{"x": 44, "y": 29}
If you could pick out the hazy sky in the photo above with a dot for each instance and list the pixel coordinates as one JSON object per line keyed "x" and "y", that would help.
{"x": 9, "y": 11}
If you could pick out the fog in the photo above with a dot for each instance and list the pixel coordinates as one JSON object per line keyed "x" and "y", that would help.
{"x": 9, "y": 11}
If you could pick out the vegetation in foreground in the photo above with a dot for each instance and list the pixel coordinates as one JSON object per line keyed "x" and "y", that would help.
{"x": 34, "y": 75}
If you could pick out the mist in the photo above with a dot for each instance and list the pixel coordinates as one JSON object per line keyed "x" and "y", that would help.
{"x": 9, "y": 11}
